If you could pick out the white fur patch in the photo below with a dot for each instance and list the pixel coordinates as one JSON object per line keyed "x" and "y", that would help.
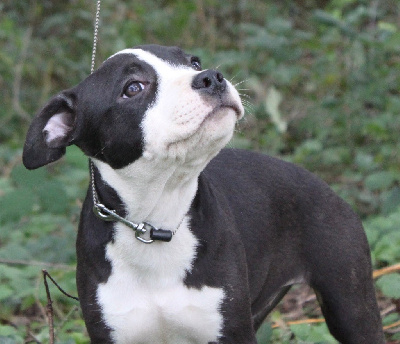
{"x": 145, "y": 300}
{"x": 57, "y": 127}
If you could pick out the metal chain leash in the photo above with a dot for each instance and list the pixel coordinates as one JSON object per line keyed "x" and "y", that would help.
{"x": 100, "y": 210}
{"x": 95, "y": 36}
{"x": 95, "y": 39}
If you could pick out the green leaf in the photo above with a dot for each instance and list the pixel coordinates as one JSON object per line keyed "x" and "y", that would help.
{"x": 390, "y": 319}
{"x": 9, "y": 335}
{"x": 301, "y": 331}
{"x": 318, "y": 333}
{"x": 387, "y": 26}
{"x": 5, "y": 185}
{"x": 264, "y": 333}
{"x": 5, "y": 292}
{"x": 8, "y": 340}
{"x": 6, "y": 330}
{"x": 387, "y": 248}
{"x": 390, "y": 285}
{"x": 365, "y": 161}
{"x": 75, "y": 157}
{"x": 53, "y": 197}
{"x": 29, "y": 179}
{"x": 15, "y": 250}
{"x": 16, "y": 204}
{"x": 80, "y": 338}
{"x": 391, "y": 201}
{"x": 379, "y": 180}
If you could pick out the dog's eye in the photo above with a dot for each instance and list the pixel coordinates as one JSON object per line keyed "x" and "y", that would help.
{"x": 196, "y": 64}
{"x": 133, "y": 89}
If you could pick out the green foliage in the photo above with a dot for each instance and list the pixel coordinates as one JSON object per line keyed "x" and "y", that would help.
{"x": 384, "y": 238}
{"x": 312, "y": 333}
{"x": 390, "y": 285}
{"x": 38, "y": 219}
{"x": 320, "y": 81}
{"x": 264, "y": 333}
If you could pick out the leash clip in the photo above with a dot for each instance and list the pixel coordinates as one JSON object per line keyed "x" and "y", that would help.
{"x": 102, "y": 212}
{"x": 142, "y": 228}
{"x": 155, "y": 233}
{"x": 105, "y": 214}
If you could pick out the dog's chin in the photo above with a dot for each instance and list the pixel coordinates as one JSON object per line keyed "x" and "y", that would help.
{"x": 202, "y": 142}
{"x": 214, "y": 132}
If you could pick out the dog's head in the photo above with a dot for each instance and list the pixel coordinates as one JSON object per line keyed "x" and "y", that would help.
{"x": 150, "y": 101}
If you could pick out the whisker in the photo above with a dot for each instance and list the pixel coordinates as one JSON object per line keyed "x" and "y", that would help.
{"x": 244, "y": 95}
{"x": 231, "y": 80}
{"x": 248, "y": 110}
{"x": 241, "y": 82}
{"x": 248, "y": 103}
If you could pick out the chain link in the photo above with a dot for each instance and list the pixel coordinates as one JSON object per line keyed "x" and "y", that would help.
{"x": 95, "y": 39}
{"x": 95, "y": 36}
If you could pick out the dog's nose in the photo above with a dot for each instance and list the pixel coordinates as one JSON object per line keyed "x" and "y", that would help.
{"x": 211, "y": 81}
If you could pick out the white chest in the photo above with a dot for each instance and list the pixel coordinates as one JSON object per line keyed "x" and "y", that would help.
{"x": 145, "y": 300}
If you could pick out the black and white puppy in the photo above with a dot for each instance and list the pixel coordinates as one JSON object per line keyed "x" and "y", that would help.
{"x": 246, "y": 226}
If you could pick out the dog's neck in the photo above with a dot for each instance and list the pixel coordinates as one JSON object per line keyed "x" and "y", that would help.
{"x": 156, "y": 191}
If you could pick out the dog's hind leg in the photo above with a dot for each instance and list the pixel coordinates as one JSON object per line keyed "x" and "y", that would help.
{"x": 347, "y": 298}
{"x": 338, "y": 264}
{"x": 352, "y": 317}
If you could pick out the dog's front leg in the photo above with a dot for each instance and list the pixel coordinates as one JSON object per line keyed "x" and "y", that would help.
{"x": 225, "y": 268}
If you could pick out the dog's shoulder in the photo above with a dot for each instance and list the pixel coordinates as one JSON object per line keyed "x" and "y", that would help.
{"x": 248, "y": 165}
{"x": 240, "y": 174}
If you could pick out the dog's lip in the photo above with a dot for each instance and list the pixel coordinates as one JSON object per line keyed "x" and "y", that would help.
{"x": 230, "y": 105}
{"x": 225, "y": 105}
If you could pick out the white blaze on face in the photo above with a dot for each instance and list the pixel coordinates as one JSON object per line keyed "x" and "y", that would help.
{"x": 181, "y": 124}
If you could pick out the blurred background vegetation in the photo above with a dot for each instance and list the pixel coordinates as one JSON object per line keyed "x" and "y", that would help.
{"x": 321, "y": 83}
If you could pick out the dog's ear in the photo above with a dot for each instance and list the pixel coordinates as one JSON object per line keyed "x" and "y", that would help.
{"x": 50, "y": 131}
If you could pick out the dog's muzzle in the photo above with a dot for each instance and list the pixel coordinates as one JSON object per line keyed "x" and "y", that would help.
{"x": 213, "y": 84}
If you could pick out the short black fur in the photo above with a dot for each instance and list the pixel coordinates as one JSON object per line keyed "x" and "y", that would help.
{"x": 262, "y": 224}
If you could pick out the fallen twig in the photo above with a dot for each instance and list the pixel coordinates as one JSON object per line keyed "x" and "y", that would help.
{"x": 46, "y": 274}
{"x": 36, "y": 263}
{"x": 300, "y": 322}
{"x": 49, "y": 308}
{"x": 387, "y": 327}
{"x": 386, "y": 270}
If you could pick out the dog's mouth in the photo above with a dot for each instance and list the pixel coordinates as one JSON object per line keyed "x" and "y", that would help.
{"x": 225, "y": 105}
{"x": 230, "y": 105}
{"x": 218, "y": 111}
{"x": 220, "y": 108}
